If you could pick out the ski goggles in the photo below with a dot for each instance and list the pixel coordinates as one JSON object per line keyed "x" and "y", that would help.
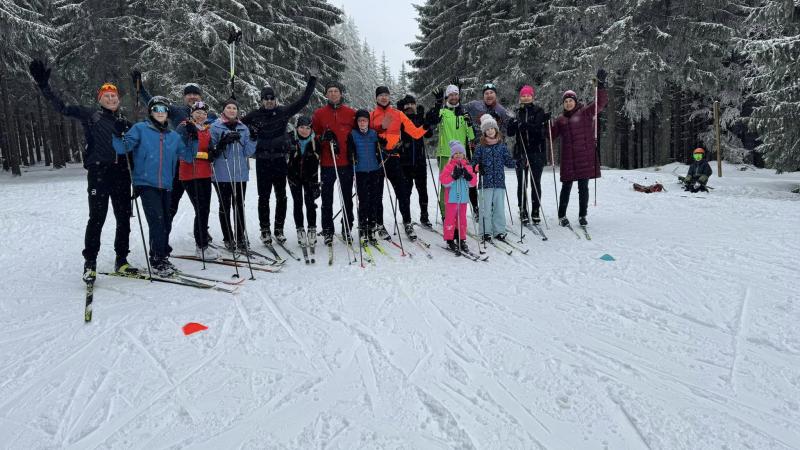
{"x": 200, "y": 106}
{"x": 489, "y": 87}
{"x": 159, "y": 109}
{"x": 107, "y": 87}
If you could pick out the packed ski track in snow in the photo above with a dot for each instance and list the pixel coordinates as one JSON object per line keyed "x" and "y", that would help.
{"x": 687, "y": 340}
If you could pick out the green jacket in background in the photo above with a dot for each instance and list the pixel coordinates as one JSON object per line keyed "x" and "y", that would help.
{"x": 453, "y": 125}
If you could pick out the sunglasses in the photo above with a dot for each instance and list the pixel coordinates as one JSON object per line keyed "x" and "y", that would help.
{"x": 159, "y": 109}
{"x": 269, "y": 98}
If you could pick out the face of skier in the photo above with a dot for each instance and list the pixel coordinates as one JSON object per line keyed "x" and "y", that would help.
{"x": 569, "y": 104}
{"x": 489, "y": 97}
{"x": 491, "y": 133}
{"x": 410, "y": 108}
{"x": 334, "y": 95}
{"x": 199, "y": 116}
{"x": 363, "y": 124}
{"x": 110, "y": 101}
{"x": 159, "y": 113}
{"x": 231, "y": 111}
{"x": 269, "y": 102}
{"x": 526, "y": 99}
{"x": 453, "y": 98}
{"x": 458, "y": 156}
{"x": 190, "y": 99}
{"x": 304, "y": 131}
{"x": 383, "y": 99}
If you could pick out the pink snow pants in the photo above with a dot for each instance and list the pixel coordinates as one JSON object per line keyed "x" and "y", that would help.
{"x": 451, "y": 220}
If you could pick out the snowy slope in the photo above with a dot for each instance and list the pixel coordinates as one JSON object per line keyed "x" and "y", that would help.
{"x": 689, "y": 340}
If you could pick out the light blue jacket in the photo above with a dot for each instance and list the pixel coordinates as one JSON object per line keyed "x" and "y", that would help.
{"x": 155, "y": 154}
{"x": 232, "y": 164}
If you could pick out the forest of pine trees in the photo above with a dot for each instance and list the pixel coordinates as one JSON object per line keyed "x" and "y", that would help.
{"x": 668, "y": 61}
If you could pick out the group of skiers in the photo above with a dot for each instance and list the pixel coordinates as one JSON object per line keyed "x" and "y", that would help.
{"x": 186, "y": 148}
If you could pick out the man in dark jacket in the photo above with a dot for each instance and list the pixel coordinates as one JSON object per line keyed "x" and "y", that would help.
{"x": 413, "y": 157}
{"x": 268, "y": 124}
{"x": 530, "y": 150}
{"x": 699, "y": 172}
{"x": 107, "y": 173}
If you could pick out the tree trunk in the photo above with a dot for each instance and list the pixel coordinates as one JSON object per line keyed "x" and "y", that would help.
{"x": 13, "y": 136}
{"x": 43, "y": 133}
{"x": 77, "y": 155}
{"x": 65, "y": 139}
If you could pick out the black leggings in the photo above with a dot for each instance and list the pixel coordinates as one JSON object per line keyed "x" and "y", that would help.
{"x": 303, "y": 193}
{"x": 225, "y": 194}
{"x": 583, "y": 197}
{"x": 199, "y": 191}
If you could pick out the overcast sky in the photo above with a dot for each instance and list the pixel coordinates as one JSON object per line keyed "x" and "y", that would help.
{"x": 387, "y": 25}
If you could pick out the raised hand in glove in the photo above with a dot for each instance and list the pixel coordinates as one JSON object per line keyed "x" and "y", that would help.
{"x": 40, "y": 72}
{"x": 457, "y": 81}
{"x": 234, "y": 36}
{"x": 438, "y": 96}
{"x": 601, "y": 78}
{"x": 136, "y": 78}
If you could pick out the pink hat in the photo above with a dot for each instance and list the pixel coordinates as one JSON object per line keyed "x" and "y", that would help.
{"x": 527, "y": 90}
{"x": 569, "y": 94}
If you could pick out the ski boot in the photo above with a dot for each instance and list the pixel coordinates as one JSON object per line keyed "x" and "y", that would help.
{"x": 409, "y": 228}
{"x": 279, "y": 236}
{"x": 451, "y": 244}
{"x": 312, "y": 237}
{"x": 380, "y": 230}
{"x": 582, "y": 221}
{"x": 266, "y": 236}
{"x": 463, "y": 245}
{"x": 162, "y": 267}
{"x": 121, "y": 266}
{"x": 487, "y": 237}
{"x": 229, "y": 246}
{"x": 242, "y": 247}
{"x": 500, "y": 236}
{"x": 327, "y": 237}
{"x": 206, "y": 253}
{"x": 301, "y": 237}
{"x": 371, "y": 231}
{"x": 89, "y": 271}
{"x": 563, "y": 221}
{"x": 425, "y": 222}
{"x": 535, "y": 217}
{"x": 524, "y": 218}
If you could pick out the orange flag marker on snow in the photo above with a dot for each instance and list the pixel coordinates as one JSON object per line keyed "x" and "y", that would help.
{"x": 193, "y": 327}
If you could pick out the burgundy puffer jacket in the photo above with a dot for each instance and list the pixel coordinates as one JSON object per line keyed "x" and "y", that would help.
{"x": 578, "y": 152}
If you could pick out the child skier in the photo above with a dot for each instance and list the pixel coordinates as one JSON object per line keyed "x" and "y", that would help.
{"x": 155, "y": 151}
{"x": 303, "y": 179}
{"x": 363, "y": 145}
{"x": 456, "y": 179}
{"x": 699, "y": 171}
{"x": 196, "y": 175}
{"x": 492, "y": 156}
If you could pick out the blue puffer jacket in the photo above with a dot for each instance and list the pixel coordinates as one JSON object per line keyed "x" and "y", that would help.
{"x": 232, "y": 165}
{"x": 364, "y": 149}
{"x": 492, "y": 160}
{"x": 155, "y": 154}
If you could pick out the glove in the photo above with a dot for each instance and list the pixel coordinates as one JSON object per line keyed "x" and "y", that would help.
{"x": 214, "y": 152}
{"x": 40, "y": 72}
{"x": 457, "y": 82}
{"x": 382, "y": 142}
{"x": 547, "y": 117}
{"x": 328, "y": 136}
{"x": 234, "y": 36}
{"x": 458, "y": 172}
{"x": 253, "y": 128}
{"x": 121, "y": 126}
{"x": 467, "y": 175}
{"x": 601, "y": 78}
{"x": 438, "y": 96}
{"x": 191, "y": 130}
{"x": 229, "y": 138}
{"x": 315, "y": 190}
{"x": 136, "y": 78}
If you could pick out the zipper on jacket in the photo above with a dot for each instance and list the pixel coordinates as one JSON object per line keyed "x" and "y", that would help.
{"x": 160, "y": 159}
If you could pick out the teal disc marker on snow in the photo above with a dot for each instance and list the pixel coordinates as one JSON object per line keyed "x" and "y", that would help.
{"x": 607, "y": 257}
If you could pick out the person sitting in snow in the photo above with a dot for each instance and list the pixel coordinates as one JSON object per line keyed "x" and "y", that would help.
{"x": 699, "y": 171}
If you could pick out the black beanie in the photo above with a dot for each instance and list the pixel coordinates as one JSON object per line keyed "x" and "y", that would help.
{"x": 334, "y": 84}
{"x": 230, "y": 101}
{"x": 267, "y": 92}
{"x": 192, "y": 88}
{"x": 401, "y": 104}
{"x": 381, "y": 90}
{"x": 361, "y": 113}
{"x": 304, "y": 121}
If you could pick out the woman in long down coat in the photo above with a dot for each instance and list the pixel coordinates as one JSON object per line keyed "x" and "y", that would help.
{"x": 579, "y": 160}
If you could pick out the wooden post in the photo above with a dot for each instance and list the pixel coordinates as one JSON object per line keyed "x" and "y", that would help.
{"x": 716, "y": 132}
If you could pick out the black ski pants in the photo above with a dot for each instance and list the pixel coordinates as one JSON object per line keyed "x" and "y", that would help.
{"x": 271, "y": 173}
{"x": 108, "y": 181}
{"x": 583, "y": 197}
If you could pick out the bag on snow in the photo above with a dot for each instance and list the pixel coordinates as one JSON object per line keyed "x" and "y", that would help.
{"x": 658, "y": 187}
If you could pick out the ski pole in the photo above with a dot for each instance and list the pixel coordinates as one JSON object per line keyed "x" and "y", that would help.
{"x": 196, "y": 211}
{"x": 233, "y": 37}
{"x": 391, "y": 202}
{"x": 231, "y": 224}
{"x": 597, "y": 150}
{"x": 345, "y": 218}
{"x": 128, "y": 161}
{"x": 224, "y": 214}
{"x": 240, "y": 204}
{"x": 435, "y": 188}
{"x": 360, "y": 222}
{"x": 552, "y": 158}
{"x": 533, "y": 180}
{"x": 523, "y": 197}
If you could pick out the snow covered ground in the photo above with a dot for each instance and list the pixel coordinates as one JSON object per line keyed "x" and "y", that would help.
{"x": 688, "y": 340}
